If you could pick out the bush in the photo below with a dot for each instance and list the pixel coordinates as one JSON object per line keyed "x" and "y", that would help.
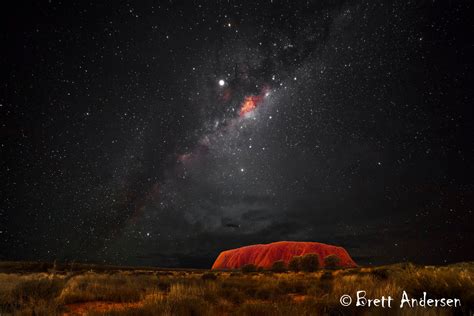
{"x": 326, "y": 276}
{"x": 249, "y": 268}
{"x": 46, "y": 289}
{"x": 381, "y": 273}
{"x": 332, "y": 262}
{"x": 309, "y": 262}
{"x": 292, "y": 286}
{"x": 295, "y": 264}
{"x": 326, "y": 282}
{"x": 209, "y": 276}
{"x": 279, "y": 266}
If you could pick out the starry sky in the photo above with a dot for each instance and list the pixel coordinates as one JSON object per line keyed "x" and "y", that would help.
{"x": 163, "y": 132}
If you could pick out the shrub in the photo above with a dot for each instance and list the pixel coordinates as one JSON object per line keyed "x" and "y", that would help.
{"x": 279, "y": 266}
{"x": 332, "y": 261}
{"x": 292, "y": 286}
{"x": 249, "y": 268}
{"x": 104, "y": 287}
{"x": 295, "y": 264}
{"x": 309, "y": 262}
{"x": 46, "y": 289}
{"x": 209, "y": 276}
{"x": 326, "y": 276}
{"x": 381, "y": 273}
{"x": 326, "y": 282}
{"x": 188, "y": 306}
{"x": 234, "y": 295}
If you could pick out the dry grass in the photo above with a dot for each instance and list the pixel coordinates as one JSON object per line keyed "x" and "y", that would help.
{"x": 229, "y": 293}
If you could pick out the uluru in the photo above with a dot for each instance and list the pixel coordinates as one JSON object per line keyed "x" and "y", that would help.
{"x": 264, "y": 255}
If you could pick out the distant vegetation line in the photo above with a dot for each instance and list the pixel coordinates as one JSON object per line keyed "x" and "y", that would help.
{"x": 35, "y": 266}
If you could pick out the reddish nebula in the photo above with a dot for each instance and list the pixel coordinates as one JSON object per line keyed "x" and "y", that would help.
{"x": 251, "y": 102}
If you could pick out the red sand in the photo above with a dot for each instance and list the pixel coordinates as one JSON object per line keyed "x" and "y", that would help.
{"x": 263, "y": 255}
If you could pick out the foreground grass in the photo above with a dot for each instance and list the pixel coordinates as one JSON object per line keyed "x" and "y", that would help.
{"x": 157, "y": 292}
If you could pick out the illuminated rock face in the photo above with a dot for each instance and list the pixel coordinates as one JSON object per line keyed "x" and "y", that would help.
{"x": 264, "y": 255}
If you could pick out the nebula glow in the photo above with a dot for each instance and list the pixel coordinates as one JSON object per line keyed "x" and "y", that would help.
{"x": 249, "y": 104}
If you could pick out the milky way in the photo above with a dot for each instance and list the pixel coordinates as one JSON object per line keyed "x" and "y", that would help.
{"x": 163, "y": 133}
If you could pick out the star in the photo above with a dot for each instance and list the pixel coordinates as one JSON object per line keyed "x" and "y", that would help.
{"x": 148, "y": 130}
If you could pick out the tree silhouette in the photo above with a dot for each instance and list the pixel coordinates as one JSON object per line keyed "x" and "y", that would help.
{"x": 309, "y": 262}
{"x": 332, "y": 262}
{"x": 295, "y": 264}
{"x": 279, "y": 266}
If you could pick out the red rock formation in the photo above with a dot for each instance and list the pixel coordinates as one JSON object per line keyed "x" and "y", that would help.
{"x": 263, "y": 255}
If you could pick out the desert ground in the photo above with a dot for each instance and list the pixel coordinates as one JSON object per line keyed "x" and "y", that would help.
{"x": 80, "y": 289}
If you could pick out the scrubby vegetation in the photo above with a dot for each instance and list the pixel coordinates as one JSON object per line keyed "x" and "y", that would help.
{"x": 279, "y": 266}
{"x": 307, "y": 263}
{"x": 157, "y": 292}
{"x": 249, "y": 268}
{"x": 332, "y": 262}
{"x": 295, "y": 264}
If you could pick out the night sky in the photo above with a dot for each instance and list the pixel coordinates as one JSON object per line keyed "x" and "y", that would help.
{"x": 163, "y": 132}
